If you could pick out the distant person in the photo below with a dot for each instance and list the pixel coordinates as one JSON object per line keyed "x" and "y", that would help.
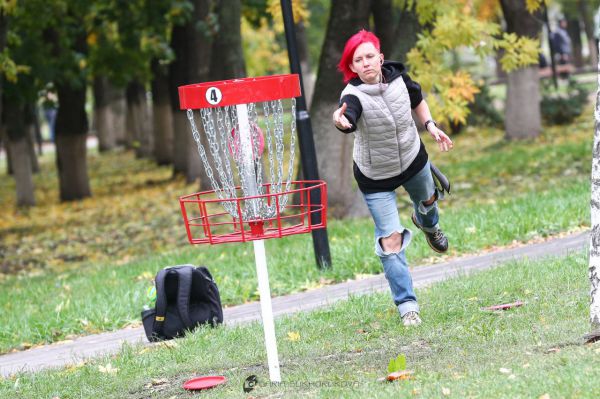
{"x": 561, "y": 44}
{"x": 376, "y": 107}
{"x": 50, "y": 109}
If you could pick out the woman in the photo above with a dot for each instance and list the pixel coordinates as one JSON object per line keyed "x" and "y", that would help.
{"x": 388, "y": 153}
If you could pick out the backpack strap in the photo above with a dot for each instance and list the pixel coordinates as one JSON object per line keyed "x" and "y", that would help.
{"x": 184, "y": 273}
{"x": 161, "y": 302}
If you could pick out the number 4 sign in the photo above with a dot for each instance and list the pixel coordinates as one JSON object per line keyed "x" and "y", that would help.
{"x": 213, "y": 95}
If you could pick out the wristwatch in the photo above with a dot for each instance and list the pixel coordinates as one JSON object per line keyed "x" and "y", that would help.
{"x": 428, "y": 122}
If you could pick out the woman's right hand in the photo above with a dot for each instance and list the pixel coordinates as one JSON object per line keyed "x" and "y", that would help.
{"x": 340, "y": 119}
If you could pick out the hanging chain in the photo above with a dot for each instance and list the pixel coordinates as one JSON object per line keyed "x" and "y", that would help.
{"x": 224, "y": 141}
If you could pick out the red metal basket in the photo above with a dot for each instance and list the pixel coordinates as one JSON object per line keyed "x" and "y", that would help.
{"x": 206, "y": 222}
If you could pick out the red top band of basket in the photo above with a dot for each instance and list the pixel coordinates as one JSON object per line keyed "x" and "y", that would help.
{"x": 238, "y": 91}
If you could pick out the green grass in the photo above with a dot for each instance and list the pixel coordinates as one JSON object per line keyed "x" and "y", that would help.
{"x": 85, "y": 266}
{"x": 459, "y": 352}
{"x": 56, "y": 306}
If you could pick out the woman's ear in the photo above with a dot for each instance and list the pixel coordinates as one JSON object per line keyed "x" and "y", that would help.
{"x": 381, "y": 57}
{"x": 351, "y": 68}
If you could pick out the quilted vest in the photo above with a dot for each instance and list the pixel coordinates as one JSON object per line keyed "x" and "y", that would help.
{"x": 386, "y": 140}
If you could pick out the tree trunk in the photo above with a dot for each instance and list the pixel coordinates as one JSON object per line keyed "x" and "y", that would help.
{"x": 308, "y": 75}
{"x": 22, "y": 172}
{"x": 3, "y": 30}
{"x": 397, "y": 28}
{"x": 227, "y": 57}
{"x": 138, "y": 119}
{"x": 19, "y": 146}
{"x": 103, "y": 115}
{"x": 523, "y": 115}
{"x": 594, "y": 265}
{"x": 574, "y": 31}
{"x": 588, "y": 25}
{"x": 522, "y": 112}
{"x": 162, "y": 116}
{"x": 192, "y": 47}
{"x": 31, "y": 141}
{"x": 71, "y": 150}
{"x": 117, "y": 104}
{"x": 334, "y": 149}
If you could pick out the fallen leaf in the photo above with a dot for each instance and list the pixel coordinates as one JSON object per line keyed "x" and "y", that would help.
{"x": 544, "y": 396}
{"x": 505, "y": 370}
{"x": 512, "y": 377}
{"x": 293, "y": 336}
{"x": 526, "y": 365}
{"x": 108, "y": 369}
{"x": 445, "y": 391}
{"x": 159, "y": 381}
{"x": 169, "y": 344}
{"x": 400, "y": 375}
{"x": 553, "y": 350}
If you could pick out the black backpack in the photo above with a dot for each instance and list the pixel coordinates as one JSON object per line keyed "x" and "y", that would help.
{"x": 186, "y": 297}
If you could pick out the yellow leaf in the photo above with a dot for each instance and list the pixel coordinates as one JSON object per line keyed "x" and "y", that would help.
{"x": 293, "y": 336}
{"x": 108, "y": 369}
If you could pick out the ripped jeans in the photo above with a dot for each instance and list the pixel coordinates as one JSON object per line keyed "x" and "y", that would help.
{"x": 384, "y": 211}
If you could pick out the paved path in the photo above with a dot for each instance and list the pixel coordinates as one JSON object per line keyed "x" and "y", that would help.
{"x": 61, "y": 354}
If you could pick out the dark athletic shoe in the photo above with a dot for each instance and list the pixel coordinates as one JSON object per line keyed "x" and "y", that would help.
{"x": 436, "y": 240}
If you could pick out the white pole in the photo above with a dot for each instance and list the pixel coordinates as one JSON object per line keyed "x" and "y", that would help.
{"x": 266, "y": 310}
{"x": 260, "y": 257}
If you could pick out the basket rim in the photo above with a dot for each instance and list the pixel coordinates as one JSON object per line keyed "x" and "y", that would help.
{"x": 239, "y": 91}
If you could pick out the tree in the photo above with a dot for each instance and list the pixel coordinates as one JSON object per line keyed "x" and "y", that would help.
{"x": 334, "y": 149}
{"x": 523, "y": 115}
{"x": 594, "y": 265}
{"x": 192, "y": 45}
{"x": 16, "y": 97}
{"x": 397, "y": 26}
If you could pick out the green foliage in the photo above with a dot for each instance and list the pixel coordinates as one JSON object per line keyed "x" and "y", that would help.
{"x": 397, "y": 364}
{"x": 482, "y": 109}
{"x": 560, "y": 107}
{"x": 519, "y": 51}
{"x": 452, "y": 25}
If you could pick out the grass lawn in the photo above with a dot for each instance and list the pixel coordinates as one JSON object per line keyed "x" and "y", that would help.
{"x": 81, "y": 268}
{"x": 460, "y": 351}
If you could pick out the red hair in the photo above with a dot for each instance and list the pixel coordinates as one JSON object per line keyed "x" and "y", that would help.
{"x": 356, "y": 40}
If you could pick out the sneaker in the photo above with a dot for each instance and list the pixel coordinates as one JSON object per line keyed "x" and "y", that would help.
{"x": 411, "y": 319}
{"x": 436, "y": 240}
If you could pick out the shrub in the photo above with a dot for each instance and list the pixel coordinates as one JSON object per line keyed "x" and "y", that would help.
{"x": 562, "y": 106}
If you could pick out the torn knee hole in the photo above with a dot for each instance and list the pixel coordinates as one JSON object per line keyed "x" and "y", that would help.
{"x": 392, "y": 243}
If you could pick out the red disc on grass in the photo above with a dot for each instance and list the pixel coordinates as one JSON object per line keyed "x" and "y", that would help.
{"x": 204, "y": 382}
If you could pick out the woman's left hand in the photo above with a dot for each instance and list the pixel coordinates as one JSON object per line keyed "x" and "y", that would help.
{"x": 440, "y": 137}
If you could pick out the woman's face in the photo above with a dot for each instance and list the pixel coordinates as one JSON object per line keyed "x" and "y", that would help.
{"x": 366, "y": 63}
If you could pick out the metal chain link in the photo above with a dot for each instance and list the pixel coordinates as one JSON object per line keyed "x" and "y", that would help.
{"x": 224, "y": 142}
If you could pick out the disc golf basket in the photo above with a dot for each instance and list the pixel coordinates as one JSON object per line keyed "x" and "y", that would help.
{"x": 248, "y": 155}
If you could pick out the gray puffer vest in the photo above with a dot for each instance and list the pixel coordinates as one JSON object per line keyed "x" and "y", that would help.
{"x": 386, "y": 140}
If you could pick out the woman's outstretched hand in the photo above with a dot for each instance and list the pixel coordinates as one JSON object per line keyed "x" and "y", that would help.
{"x": 340, "y": 119}
{"x": 440, "y": 137}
